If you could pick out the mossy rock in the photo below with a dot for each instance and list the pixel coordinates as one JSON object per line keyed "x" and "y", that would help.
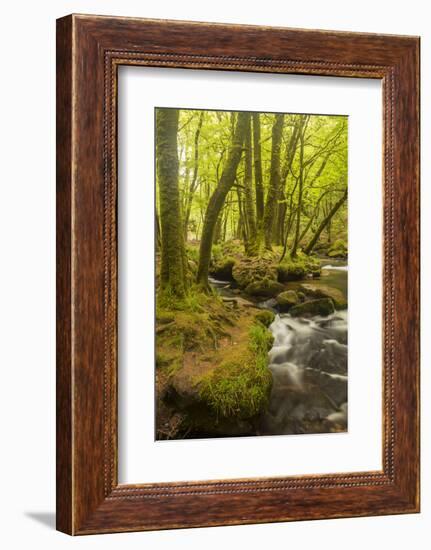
{"x": 291, "y": 272}
{"x": 338, "y": 249}
{"x": 337, "y": 253}
{"x": 287, "y": 299}
{"x": 322, "y": 306}
{"x": 295, "y": 269}
{"x": 266, "y": 288}
{"x": 265, "y": 317}
{"x": 222, "y": 269}
{"x": 248, "y": 270}
{"x": 316, "y": 271}
{"x": 325, "y": 291}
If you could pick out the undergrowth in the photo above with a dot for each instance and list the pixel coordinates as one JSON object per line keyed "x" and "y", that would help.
{"x": 241, "y": 384}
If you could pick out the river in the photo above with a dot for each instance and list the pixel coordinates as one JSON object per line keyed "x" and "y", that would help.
{"x": 308, "y": 361}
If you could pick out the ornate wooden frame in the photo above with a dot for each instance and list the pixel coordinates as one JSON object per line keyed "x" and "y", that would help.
{"x": 89, "y": 51}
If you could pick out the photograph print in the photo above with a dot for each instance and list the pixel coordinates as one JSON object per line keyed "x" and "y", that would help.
{"x": 251, "y": 248}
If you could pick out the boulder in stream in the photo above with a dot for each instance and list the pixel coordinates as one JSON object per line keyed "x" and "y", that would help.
{"x": 325, "y": 291}
{"x": 287, "y": 299}
{"x": 321, "y": 306}
{"x": 267, "y": 288}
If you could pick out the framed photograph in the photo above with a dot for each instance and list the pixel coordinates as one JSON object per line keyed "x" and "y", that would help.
{"x": 237, "y": 274}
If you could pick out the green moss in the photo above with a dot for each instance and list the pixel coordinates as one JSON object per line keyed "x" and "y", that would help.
{"x": 295, "y": 269}
{"x": 192, "y": 251}
{"x": 240, "y": 386}
{"x": 216, "y": 252}
{"x": 222, "y": 268}
{"x": 193, "y": 322}
{"x": 287, "y": 299}
{"x": 338, "y": 249}
{"x": 266, "y": 288}
{"x": 321, "y": 306}
{"x": 231, "y": 248}
{"x": 325, "y": 291}
{"x": 265, "y": 317}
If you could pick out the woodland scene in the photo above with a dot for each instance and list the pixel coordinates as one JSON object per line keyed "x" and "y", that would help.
{"x": 251, "y": 273}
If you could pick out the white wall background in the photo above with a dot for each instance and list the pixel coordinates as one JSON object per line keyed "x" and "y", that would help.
{"x": 27, "y": 247}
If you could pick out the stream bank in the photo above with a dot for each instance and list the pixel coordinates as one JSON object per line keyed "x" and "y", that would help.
{"x": 231, "y": 363}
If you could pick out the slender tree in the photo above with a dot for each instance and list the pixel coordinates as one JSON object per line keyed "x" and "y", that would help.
{"x": 258, "y": 169}
{"x": 325, "y": 222}
{"x": 191, "y": 190}
{"x": 218, "y": 197}
{"x": 300, "y": 186}
{"x": 274, "y": 180}
{"x": 249, "y": 202}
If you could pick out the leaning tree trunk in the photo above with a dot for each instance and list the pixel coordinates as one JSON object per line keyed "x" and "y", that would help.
{"x": 274, "y": 181}
{"x": 172, "y": 274}
{"x": 218, "y": 197}
{"x": 325, "y": 222}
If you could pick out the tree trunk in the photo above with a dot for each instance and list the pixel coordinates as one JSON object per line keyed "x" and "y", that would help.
{"x": 290, "y": 155}
{"x": 193, "y": 185}
{"x": 158, "y": 232}
{"x": 274, "y": 181}
{"x": 250, "y": 213}
{"x": 172, "y": 273}
{"x": 218, "y": 197}
{"x": 258, "y": 179}
{"x": 242, "y": 222}
{"x": 218, "y": 228}
{"x": 325, "y": 222}
{"x": 300, "y": 190}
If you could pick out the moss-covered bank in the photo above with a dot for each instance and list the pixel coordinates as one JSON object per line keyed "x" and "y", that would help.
{"x": 212, "y": 365}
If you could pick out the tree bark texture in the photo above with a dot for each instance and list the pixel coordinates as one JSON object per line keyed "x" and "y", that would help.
{"x": 172, "y": 273}
{"x": 274, "y": 180}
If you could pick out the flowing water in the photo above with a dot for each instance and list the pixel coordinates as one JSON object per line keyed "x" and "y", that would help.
{"x": 308, "y": 361}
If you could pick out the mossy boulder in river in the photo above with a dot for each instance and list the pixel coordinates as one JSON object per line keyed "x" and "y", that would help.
{"x": 325, "y": 291}
{"x": 322, "y": 306}
{"x": 266, "y": 288}
{"x": 287, "y": 299}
